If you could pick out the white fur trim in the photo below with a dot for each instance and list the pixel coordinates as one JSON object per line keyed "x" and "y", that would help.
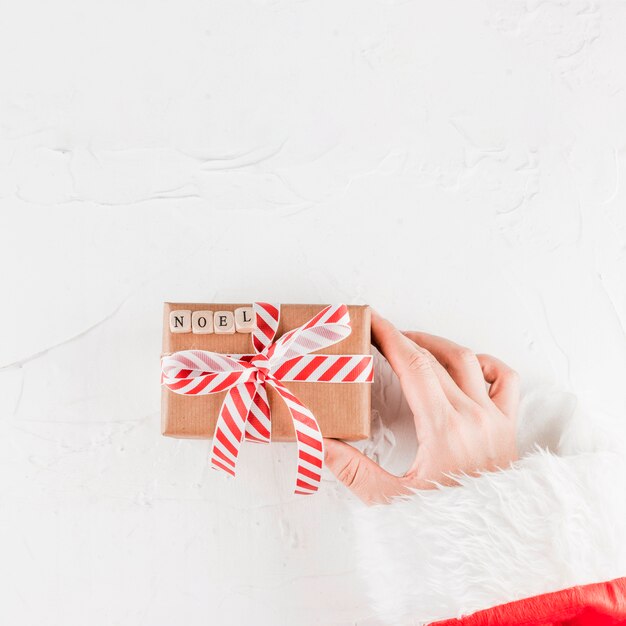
{"x": 548, "y": 523}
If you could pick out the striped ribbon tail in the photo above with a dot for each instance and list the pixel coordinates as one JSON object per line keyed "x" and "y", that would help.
{"x": 230, "y": 427}
{"x": 258, "y": 423}
{"x": 309, "y": 442}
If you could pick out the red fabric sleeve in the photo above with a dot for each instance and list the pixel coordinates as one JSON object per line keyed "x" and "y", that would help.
{"x": 600, "y": 604}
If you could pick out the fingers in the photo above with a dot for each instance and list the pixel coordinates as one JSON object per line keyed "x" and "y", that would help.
{"x": 505, "y": 386}
{"x": 367, "y": 480}
{"x": 457, "y": 398}
{"x": 413, "y": 366}
{"x": 461, "y": 363}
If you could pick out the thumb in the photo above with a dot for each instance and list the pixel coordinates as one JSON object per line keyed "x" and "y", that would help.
{"x": 367, "y": 480}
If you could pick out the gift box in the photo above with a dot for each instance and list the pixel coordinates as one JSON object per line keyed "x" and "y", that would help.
{"x": 341, "y": 408}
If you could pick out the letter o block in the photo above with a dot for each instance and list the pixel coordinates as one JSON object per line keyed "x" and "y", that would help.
{"x": 202, "y": 322}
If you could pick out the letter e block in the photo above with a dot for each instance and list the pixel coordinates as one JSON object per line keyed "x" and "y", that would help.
{"x": 224, "y": 322}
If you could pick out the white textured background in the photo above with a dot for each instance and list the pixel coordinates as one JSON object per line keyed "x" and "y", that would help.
{"x": 458, "y": 165}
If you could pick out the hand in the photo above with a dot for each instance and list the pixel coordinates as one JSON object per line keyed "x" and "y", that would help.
{"x": 464, "y": 406}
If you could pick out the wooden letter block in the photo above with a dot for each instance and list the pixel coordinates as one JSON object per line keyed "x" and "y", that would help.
{"x": 224, "y": 322}
{"x": 202, "y": 322}
{"x": 244, "y": 319}
{"x": 180, "y": 321}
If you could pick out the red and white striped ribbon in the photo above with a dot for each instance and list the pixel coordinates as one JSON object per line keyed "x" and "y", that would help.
{"x": 245, "y": 412}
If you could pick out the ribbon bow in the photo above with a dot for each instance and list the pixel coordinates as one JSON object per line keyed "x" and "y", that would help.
{"x": 245, "y": 412}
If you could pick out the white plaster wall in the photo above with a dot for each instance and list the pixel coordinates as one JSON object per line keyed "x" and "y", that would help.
{"x": 458, "y": 165}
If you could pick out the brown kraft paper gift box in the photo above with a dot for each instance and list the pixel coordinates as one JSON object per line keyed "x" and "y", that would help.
{"x": 341, "y": 409}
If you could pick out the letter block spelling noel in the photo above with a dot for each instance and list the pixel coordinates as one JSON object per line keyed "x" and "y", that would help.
{"x": 261, "y": 372}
